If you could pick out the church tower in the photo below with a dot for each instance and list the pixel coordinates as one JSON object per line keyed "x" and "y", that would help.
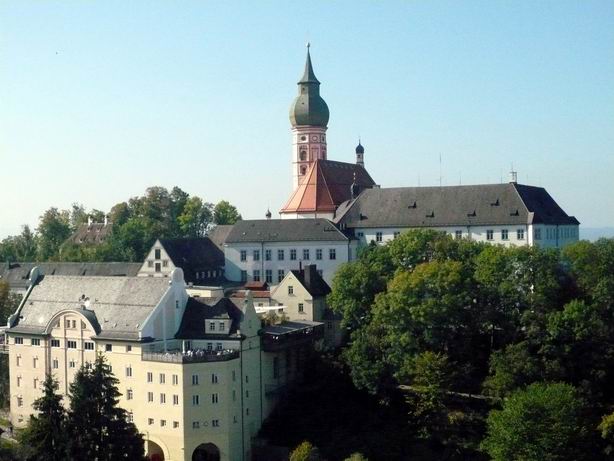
{"x": 309, "y": 118}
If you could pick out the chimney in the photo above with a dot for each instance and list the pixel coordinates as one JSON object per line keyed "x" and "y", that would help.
{"x": 310, "y": 275}
{"x": 513, "y": 176}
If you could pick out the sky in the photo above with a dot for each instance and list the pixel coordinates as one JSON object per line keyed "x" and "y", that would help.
{"x": 101, "y": 99}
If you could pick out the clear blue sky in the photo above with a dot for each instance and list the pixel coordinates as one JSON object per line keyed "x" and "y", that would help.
{"x": 100, "y": 99}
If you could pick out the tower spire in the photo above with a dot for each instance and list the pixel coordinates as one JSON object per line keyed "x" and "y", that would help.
{"x": 308, "y": 76}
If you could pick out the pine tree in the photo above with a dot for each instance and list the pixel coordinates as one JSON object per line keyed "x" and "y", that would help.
{"x": 44, "y": 438}
{"x": 98, "y": 428}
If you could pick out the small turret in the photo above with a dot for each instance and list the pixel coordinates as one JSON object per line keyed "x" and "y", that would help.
{"x": 360, "y": 155}
{"x": 268, "y": 214}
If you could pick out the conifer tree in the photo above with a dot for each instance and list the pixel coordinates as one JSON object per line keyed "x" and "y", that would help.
{"x": 44, "y": 438}
{"x": 98, "y": 428}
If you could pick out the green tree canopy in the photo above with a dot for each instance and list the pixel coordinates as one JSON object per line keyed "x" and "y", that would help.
{"x": 225, "y": 213}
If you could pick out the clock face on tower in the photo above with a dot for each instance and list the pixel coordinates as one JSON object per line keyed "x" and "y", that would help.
{"x": 314, "y": 138}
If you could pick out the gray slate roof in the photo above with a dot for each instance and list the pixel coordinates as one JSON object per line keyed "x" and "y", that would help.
{"x": 120, "y": 305}
{"x": 195, "y": 255}
{"x": 197, "y": 312}
{"x": 219, "y": 234}
{"x": 491, "y": 204}
{"x": 17, "y": 274}
{"x": 284, "y": 230}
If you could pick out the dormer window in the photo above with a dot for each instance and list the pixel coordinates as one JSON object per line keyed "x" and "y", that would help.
{"x": 211, "y": 326}
{"x": 222, "y": 326}
{"x": 157, "y": 253}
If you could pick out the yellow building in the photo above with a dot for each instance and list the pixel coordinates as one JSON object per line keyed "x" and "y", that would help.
{"x": 197, "y": 380}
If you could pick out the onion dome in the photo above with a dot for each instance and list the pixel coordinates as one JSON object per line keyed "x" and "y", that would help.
{"x": 309, "y": 108}
{"x": 360, "y": 149}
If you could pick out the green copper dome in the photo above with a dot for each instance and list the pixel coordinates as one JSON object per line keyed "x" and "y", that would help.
{"x": 309, "y": 108}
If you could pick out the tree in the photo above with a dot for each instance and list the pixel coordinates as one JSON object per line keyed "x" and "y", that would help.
{"x": 305, "y": 452}
{"x": 225, "y": 213}
{"x": 195, "y": 218}
{"x": 53, "y": 230}
{"x": 543, "y": 422}
{"x": 44, "y": 439}
{"x": 8, "y": 305}
{"x": 98, "y": 428}
{"x": 356, "y": 457}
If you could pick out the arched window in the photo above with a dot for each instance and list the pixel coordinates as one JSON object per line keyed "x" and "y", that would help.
{"x": 303, "y": 155}
{"x": 303, "y": 170}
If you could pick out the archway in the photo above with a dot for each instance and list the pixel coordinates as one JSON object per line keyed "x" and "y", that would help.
{"x": 206, "y": 452}
{"x": 154, "y": 451}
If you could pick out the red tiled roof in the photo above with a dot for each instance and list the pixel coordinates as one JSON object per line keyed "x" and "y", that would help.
{"x": 326, "y": 185}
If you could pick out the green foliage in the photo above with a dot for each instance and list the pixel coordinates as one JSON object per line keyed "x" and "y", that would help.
{"x": 8, "y": 305}
{"x": 543, "y": 422}
{"x": 305, "y": 452}
{"x": 356, "y": 457}
{"x": 606, "y": 428}
{"x": 225, "y": 213}
{"x": 53, "y": 230}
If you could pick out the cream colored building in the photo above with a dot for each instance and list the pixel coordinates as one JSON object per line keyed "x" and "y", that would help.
{"x": 197, "y": 380}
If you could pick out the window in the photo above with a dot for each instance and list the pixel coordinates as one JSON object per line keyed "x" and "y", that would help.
{"x": 195, "y": 424}
{"x": 56, "y": 363}
{"x": 360, "y": 234}
{"x": 247, "y": 411}
{"x": 71, "y": 364}
{"x": 213, "y": 378}
{"x": 306, "y": 254}
{"x": 149, "y": 263}
{"x": 162, "y": 398}
{"x": 290, "y": 290}
{"x": 195, "y": 400}
{"x": 538, "y": 234}
{"x": 222, "y": 326}
{"x": 55, "y": 343}
{"x": 162, "y": 378}
{"x": 150, "y": 421}
{"x": 396, "y": 234}
{"x": 211, "y": 326}
{"x": 489, "y": 234}
{"x": 35, "y": 342}
{"x": 88, "y": 346}
{"x": 378, "y": 236}
{"x": 129, "y": 394}
{"x": 150, "y": 396}
{"x": 18, "y": 381}
{"x": 244, "y": 276}
{"x": 256, "y": 255}
{"x": 157, "y": 253}
{"x": 162, "y": 422}
{"x": 256, "y": 275}
{"x": 215, "y": 422}
{"x": 129, "y": 347}
{"x": 520, "y": 234}
{"x": 504, "y": 234}
{"x": 149, "y": 377}
{"x": 458, "y": 234}
{"x": 234, "y": 395}
{"x": 243, "y": 255}
{"x": 108, "y": 347}
{"x": 268, "y": 276}
{"x": 280, "y": 255}
{"x": 129, "y": 371}
{"x": 175, "y": 380}
{"x": 293, "y": 254}
{"x": 18, "y": 360}
{"x": 165, "y": 263}
{"x": 209, "y": 346}
{"x": 175, "y": 424}
{"x": 219, "y": 346}
{"x": 71, "y": 344}
{"x": 280, "y": 275}
{"x": 234, "y": 375}
{"x": 194, "y": 380}
{"x": 34, "y": 362}
{"x": 301, "y": 308}
{"x": 246, "y": 378}
{"x": 158, "y": 268}
{"x": 20, "y": 401}
{"x": 332, "y": 253}
{"x": 214, "y": 398}
{"x": 18, "y": 340}
{"x": 175, "y": 399}
{"x": 319, "y": 254}
{"x": 129, "y": 417}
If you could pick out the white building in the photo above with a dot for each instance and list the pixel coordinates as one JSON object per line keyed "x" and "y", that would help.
{"x": 266, "y": 250}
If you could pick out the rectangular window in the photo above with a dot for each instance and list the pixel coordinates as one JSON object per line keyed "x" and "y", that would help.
{"x": 150, "y": 263}
{"x": 175, "y": 380}
{"x": 280, "y": 255}
{"x": 71, "y": 364}
{"x": 88, "y": 346}
{"x": 157, "y": 253}
{"x": 194, "y": 380}
{"x": 162, "y": 378}
{"x": 129, "y": 371}
{"x": 175, "y": 399}
{"x": 18, "y": 360}
{"x": 34, "y": 362}
{"x": 319, "y": 254}
{"x": 56, "y": 363}
{"x": 150, "y": 396}
{"x": 489, "y": 234}
{"x": 129, "y": 417}
{"x": 213, "y": 378}
{"x": 195, "y": 424}
{"x": 256, "y": 276}
{"x": 158, "y": 268}
{"x": 244, "y": 276}
{"x": 108, "y": 347}
{"x": 378, "y": 236}
{"x": 71, "y": 344}
{"x": 256, "y": 255}
{"x": 538, "y": 234}
{"x": 162, "y": 422}
{"x": 290, "y": 290}
{"x": 301, "y": 308}
{"x": 175, "y": 424}
{"x": 128, "y": 348}
{"x": 458, "y": 234}
{"x": 293, "y": 254}
{"x": 20, "y": 401}
{"x": 195, "y": 400}
{"x": 360, "y": 234}
{"x": 165, "y": 263}
{"x": 504, "y": 234}
{"x": 149, "y": 377}
{"x": 520, "y": 234}
{"x": 18, "y": 340}
{"x": 219, "y": 346}
{"x": 162, "y": 398}
{"x": 215, "y": 423}
{"x": 129, "y": 394}
{"x": 280, "y": 275}
{"x": 214, "y": 398}
{"x": 267, "y": 255}
{"x": 209, "y": 346}
{"x": 243, "y": 255}
{"x": 55, "y": 343}
{"x": 234, "y": 375}
{"x": 222, "y": 326}
{"x": 332, "y": 253}
{"x": 150, "y": 421}
{"x": 35, "y": 342}
{"x": 268, "y": 276}
{"x": 305, "y": 254}
{"x": 211, "y": 326}
{"x": 18, "y": 381}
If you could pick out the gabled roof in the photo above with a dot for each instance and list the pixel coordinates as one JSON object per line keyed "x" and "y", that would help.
{"x": 312, "y": 281}
{"x": 194, "y": 255}
{"x": 120, "y": 305}
{"x": 491, "y": 204}
{"x": 219, "y": 234}
{"x": 284, "y": 230}
{"x": 326, "y": 185}
{"x": 17, "y": 274}
{"x": 92, "y": 233}
{"x": 197, "y": 312}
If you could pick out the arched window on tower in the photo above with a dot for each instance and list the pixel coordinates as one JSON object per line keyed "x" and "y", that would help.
{"x": 303, "y": 170}
{"x": 303, "y": 155}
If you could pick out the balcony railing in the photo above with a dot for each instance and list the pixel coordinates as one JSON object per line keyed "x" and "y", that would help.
{"x": 197, "y": 356}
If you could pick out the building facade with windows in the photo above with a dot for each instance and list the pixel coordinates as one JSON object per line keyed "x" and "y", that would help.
{"x": 196, "y": 379}
{"x": 266, "y": 250}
